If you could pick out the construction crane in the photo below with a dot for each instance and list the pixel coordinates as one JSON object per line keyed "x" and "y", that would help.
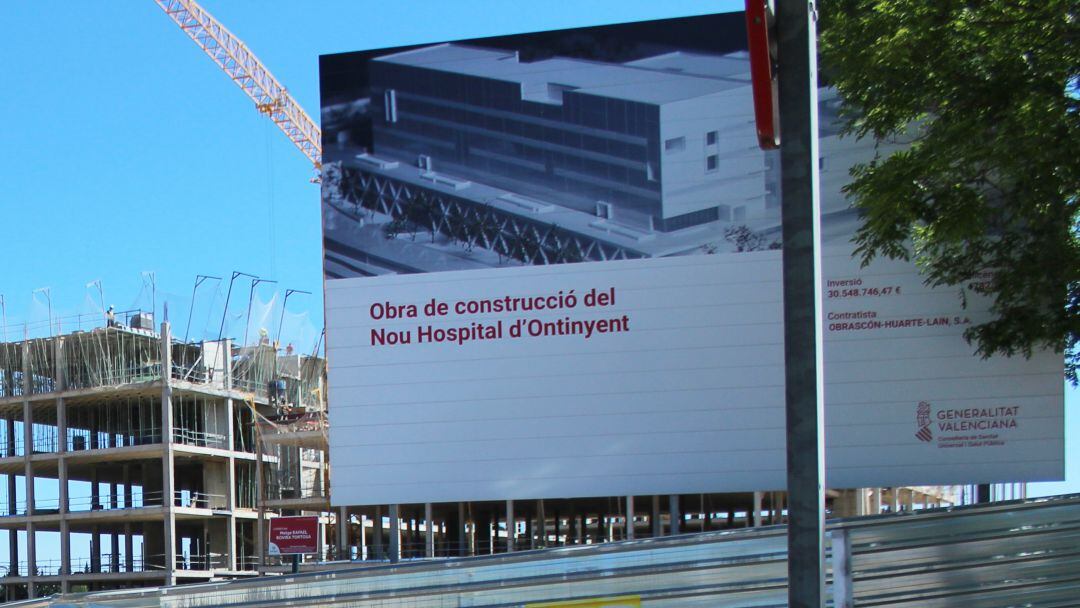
{"x": 245, "y": 69}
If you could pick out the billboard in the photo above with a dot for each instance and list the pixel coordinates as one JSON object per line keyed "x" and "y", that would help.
{"x": 552, "y": 269}
{"x": 294, "y": 535}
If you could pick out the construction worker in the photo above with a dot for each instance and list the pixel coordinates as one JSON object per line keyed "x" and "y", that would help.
{"x": 110, "y": 317}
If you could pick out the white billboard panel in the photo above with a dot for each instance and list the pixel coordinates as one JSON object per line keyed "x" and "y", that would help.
{"x": 557, "y": 275}
{"x": 663, "y": 376}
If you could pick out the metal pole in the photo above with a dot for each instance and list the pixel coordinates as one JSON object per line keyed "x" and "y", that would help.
{"x": 797, "y": 76}
{"x": 48, "y": 296}
{"x": 153, "y": 291}
{"x": 101, "y": 298}
{"x": 198, "y": 281}
{"x": 3, "y": 309}
{"x": 228, "y": 294}
{"x": 251, "y": 296}
{"x": 281, "y": 319}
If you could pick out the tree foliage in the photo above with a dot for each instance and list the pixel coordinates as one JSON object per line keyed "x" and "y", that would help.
{"x": 986, "y": 92}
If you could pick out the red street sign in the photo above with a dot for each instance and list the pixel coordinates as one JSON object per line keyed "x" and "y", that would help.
{"x": 762, "y": 76}
{"x": 292, "y": 535}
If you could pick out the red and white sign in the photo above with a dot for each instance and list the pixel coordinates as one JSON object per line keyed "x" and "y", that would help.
{"x": 291, "y": 535}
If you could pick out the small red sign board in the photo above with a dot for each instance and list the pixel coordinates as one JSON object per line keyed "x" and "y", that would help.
{"x": 293, "y": 535}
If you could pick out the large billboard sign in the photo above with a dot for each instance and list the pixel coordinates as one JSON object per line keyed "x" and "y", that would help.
{"x": 552, "y": 269}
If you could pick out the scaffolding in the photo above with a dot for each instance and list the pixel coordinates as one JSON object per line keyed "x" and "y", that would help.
{"x": 111, "y": 356}
{"x": 11, "y": 369}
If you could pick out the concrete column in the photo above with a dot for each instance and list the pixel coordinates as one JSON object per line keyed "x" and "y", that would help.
{"x": 654, "y": 517}
{"x": 675, "y": 514}
{"x": 415, "y": 540}
{"x": 230, "y": 494}
{"x": 429, "y": 531}
{"x": 320, "y": 554}
{"x": 363, "y": 540}
{"x": 65, "y": 545}
{"x": 459, "y": 535}
{"x": 343, "y": 533}
{"x": 168, "y": 477}
{"x": 377, "y": 534}
{"x": 758, "y": 497}
{"x": 95, "y": 550}
{"x": 129, "y": 548}
{"x": 630, "y": 518}
{"x": 12, "y": 506}
{"x": 530, "y": 529}
{"x": 395, "y": 533}
{"x": 114, "y": 559}
{"x": 28, "y": 468}
{"x": 62, "y": 480}
{"x": 470, "y": 530}
{"x": 260, "y": 501}
{"x": 541, "y": 524}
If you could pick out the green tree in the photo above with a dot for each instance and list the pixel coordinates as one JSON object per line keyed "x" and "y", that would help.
{"x": 986, "y": 92}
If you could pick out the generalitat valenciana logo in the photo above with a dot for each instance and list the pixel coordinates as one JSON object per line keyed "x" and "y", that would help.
{"x": 922, "y": 422}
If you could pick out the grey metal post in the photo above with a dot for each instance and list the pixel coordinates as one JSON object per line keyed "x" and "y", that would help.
{"x": 511, "y": 527}
{"x": 429, "y": 529}
{"x": 395, "y": 533}
{"x": 541, "y": 524}
{"x": 797, "y": 54}
{"x": 657, "y": 525}
{"x": 630, "y": 518}
{"x": 377, "y": 534}
{"x": 758, "y": 497}
{"x": 674, "y": 514}
{"x": 842, "y": 590}
{"x": 343, "y": 534}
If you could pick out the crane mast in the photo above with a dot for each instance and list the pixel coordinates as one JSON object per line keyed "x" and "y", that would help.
{"x": 245, "y": 69}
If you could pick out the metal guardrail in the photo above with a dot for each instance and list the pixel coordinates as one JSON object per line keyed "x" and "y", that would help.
{"x": 198, "y": 500}
{"x": 1005, "y": 554}
{"x": 199, "y": 438}
{"x": 1018, "y": 553}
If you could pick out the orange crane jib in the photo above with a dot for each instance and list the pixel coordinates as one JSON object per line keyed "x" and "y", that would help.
{"x": 245, "y": 69}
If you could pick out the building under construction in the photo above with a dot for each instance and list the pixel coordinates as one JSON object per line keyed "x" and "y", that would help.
{"x": 130, "y": 458}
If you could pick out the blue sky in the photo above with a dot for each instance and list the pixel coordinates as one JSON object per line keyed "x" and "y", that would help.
{"x": 126, "y": 150}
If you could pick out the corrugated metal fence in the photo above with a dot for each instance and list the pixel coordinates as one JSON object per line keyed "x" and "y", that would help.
{"x": 1007, "y": 554}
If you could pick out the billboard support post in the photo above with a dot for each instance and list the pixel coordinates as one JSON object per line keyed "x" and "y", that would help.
{"x": 804, "y": 385}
